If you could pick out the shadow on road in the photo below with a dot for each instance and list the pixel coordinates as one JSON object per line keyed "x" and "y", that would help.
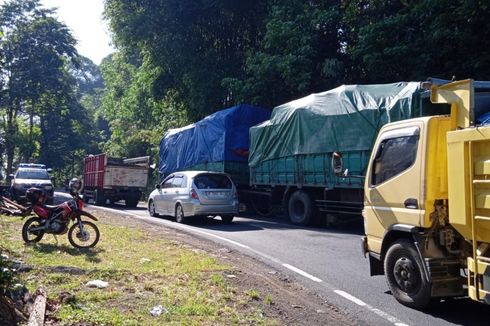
{"x": 461, "y": 311}
{"x": 345, "y": 225}
{"x": 458, "y": 311}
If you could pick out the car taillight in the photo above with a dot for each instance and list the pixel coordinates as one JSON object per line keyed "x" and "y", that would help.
{"x": 194, "y": 194}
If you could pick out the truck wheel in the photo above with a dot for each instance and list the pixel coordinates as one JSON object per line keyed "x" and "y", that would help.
{"x": 405, "y": 275}
{"x": 227, "y": 219}
{"x": 300, "y": 208}
{"x": 179, "y": 214}
{"x": 99, "y": 197}
{"x": 131, "y": 202}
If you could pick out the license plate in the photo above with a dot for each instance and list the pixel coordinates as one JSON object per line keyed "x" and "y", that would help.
{"x": 216, "y": 194}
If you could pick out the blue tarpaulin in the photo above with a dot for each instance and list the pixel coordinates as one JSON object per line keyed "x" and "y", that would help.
{"x": 221, "y": 136}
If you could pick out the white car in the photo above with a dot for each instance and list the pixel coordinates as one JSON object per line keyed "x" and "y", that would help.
{"x": 31, "y": 175}
{"x": 195, "y": 193}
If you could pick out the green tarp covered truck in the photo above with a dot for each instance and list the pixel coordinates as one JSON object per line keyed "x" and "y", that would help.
{"x": 290, "y": 157}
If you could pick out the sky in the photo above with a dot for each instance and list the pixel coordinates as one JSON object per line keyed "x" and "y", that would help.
{"x": 84, "y": 18}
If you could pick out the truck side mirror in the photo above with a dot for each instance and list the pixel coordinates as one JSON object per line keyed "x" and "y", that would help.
{"x": 337, "y": 166}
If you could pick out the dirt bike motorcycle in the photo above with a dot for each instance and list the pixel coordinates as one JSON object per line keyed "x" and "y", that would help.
{"x": 56, "y": 219}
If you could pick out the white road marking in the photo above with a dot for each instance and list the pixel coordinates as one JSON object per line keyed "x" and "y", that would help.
{"x": 378, "y": 312}
{"x": 217, "y": 236}
{"x": 303, "y": 273}
{"x": 343, "y": 294}
{"x": 350, "y": 298}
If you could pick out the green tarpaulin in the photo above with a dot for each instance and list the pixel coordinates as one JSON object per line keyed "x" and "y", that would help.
{"x": 346, "y": 118}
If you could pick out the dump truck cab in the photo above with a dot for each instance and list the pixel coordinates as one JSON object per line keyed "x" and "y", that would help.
{"x": 427, "y": 203}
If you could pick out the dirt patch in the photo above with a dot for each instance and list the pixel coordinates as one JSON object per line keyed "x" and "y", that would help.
{"x": 277, "y": 295}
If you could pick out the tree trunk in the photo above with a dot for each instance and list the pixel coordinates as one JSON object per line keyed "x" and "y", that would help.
{"x": 10, "y": 135}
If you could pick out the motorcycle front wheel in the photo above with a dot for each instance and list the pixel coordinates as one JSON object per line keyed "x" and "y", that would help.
{"x": 83, "y": 239}
{"x": 29, "y": 232}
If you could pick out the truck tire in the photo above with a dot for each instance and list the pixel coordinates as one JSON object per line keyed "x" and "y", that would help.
{"x": 85, "y": 197}
{"x": 227, "y": 219}
{"x": 300, "y": 208}
{"x": 99, "y": 197}
{"x": 405, "y": 275}
{"x": 131, "y": 202}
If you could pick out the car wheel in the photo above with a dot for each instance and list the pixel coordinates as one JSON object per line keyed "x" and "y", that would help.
{"x": 179, "y": 214}
{"x": 227, "y": 218}
{"x": 151, "y": 209}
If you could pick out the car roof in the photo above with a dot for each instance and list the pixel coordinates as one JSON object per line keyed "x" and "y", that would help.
{"x": 31, "y": 169}
{"x": 192, "y": 174}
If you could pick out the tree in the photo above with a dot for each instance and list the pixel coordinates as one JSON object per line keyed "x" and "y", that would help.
{"x": 35, "y": 81}
{"x": 412, "y": 40}
{"x": 136, "y": 118}
{"x": 191, "y": 46}
{"x": 301, "y": 53}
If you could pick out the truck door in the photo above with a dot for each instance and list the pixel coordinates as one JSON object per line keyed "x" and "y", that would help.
{"x": 393, "y": 192}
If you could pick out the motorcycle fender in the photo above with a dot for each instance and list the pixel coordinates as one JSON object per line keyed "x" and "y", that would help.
{"x": 89, "y": 215}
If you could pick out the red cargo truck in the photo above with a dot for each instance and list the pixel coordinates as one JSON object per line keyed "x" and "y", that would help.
{"x": 113, "y": 179}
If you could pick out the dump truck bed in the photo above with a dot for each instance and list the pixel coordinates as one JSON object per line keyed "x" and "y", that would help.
{"x": 469, "y": 182}
{"x": 103, "y": 172}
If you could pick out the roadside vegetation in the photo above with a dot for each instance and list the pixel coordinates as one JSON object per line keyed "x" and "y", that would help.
{"x": 144, "y": 272}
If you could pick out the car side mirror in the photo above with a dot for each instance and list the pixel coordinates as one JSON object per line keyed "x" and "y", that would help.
{"x": 49, "y": 170}
{"x": 337, "y": 164}
{"x": 11, "y": 175}
{"x": 157, "y": 186}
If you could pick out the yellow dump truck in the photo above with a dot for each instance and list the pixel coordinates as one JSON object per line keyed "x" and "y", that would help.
{"x": 427, "y": 203}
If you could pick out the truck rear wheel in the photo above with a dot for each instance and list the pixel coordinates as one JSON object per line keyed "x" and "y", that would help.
{"x": 405, "y": 275}
{"x": 99, "y": 197}
{"x": 131, "y": 202}
{"x": 300, "y": 208}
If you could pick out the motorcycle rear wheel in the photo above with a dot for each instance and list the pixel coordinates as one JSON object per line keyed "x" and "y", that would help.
{"x": 88, "y": 239}
{"x": 32, "y": 236}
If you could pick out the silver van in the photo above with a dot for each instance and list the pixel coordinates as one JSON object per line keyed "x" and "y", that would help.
{"x": 195, "y": 193}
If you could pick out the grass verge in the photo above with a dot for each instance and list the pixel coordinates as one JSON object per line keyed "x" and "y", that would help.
{"x": 143, "y": 270}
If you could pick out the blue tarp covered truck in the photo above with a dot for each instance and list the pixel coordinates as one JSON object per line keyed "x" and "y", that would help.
{"x": 219, "y": 142}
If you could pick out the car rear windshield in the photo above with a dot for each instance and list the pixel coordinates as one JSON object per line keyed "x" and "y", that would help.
{"x": 32, "y": 174}
{"x": 212, "y": 181}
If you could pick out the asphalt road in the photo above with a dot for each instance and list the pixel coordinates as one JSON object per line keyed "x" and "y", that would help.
{"x": 328, "y": 261}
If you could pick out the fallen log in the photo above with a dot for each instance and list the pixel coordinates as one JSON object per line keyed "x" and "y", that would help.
{"x": 36, "y": 318}
{"x": 10, "y": 207}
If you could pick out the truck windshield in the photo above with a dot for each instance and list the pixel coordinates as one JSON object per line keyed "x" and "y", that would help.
{"x": 394, "y": 156}
{"x": 32, "y": 174}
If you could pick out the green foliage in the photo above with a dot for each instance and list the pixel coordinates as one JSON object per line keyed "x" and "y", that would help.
{"x": 298, "y": 55}
{"x": 400, "y": 40}
{"x": 193, "y": 45}
{"x": 137, "y": 119}
{"x": 7, "y": 274}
